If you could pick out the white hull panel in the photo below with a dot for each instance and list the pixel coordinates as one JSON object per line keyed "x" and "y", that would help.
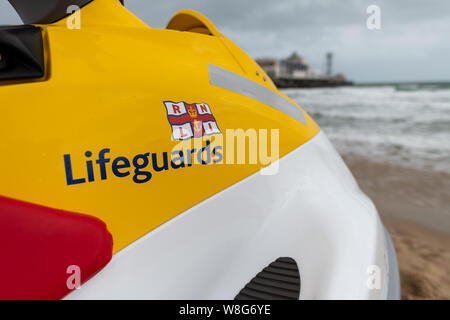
{"x": 311, "y": 210}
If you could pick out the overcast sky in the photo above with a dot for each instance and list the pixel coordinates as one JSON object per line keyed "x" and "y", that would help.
{"x": 413, "y": 43}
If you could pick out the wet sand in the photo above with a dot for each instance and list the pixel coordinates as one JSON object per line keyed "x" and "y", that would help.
{"x": 415, "y": 207}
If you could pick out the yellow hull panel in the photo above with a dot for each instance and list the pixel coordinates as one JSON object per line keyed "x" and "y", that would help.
{"x": 106, "y": 88}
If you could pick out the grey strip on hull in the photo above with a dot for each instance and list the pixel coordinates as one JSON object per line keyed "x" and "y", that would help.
{"x": 234, "y": 82}
{"x": 394, "y": 288}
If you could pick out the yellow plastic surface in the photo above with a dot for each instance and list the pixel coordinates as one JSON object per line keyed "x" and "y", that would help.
{"x": 105, "y": 89}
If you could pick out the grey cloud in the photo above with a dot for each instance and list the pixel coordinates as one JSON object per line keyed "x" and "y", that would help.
{"x": 412, "y": 44}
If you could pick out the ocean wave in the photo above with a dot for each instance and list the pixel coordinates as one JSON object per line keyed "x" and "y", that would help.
{"x": 403, "y": 126}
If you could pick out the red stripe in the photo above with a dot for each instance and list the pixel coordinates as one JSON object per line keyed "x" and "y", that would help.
{"x": 187, "y": 118}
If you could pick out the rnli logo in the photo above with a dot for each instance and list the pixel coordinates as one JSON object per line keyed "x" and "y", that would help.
{"x": 190, "y": 120}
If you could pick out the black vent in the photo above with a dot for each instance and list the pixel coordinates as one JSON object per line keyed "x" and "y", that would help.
{"x": 21, "y": 53}
{"x": 278, "y": 281}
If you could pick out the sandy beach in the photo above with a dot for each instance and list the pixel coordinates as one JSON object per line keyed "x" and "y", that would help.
{"x": 415, "y": 207}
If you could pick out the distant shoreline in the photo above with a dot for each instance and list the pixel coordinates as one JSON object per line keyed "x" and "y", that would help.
{"x": 444, "y": 83}
{"x": 291, "y": 83}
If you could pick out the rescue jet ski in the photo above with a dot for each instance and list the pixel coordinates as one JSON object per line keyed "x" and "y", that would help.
{"x": 143, "y": 163}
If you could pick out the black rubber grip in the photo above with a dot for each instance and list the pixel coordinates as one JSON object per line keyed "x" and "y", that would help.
{"x": 278, "y": 281}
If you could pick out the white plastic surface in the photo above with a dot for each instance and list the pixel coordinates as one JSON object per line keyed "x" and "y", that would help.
{"x": 312, "y": 211}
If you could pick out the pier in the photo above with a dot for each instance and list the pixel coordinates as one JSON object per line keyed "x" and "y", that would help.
{"x": 294, "y": 72}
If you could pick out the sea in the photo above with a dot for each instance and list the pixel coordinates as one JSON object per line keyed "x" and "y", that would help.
{"x": 401, "y": 123}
